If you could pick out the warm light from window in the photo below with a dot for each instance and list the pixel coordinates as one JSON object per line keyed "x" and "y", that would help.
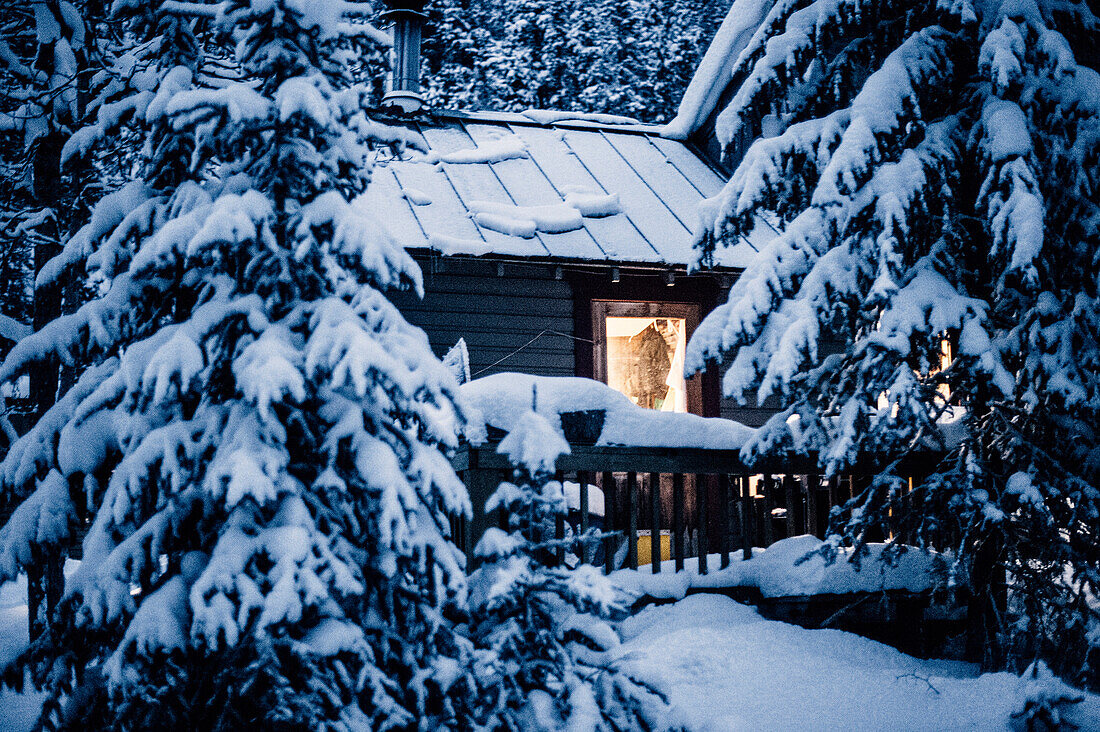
{"x": 645, "y": 361}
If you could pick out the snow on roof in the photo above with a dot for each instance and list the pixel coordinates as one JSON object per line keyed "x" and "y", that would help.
{"x": 549, "y": 185}
{"x": 501, "y": 401}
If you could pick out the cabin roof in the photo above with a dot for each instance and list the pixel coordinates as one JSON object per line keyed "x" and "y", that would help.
{"x": 549, "y": 186}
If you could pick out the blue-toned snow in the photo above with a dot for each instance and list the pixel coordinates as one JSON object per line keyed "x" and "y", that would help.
{"x": 724, "y": 667}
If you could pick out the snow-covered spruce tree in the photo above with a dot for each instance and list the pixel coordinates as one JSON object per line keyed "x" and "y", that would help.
{"x": 457, "y": 36}
{"x": 260, "y": 441}
{"x": 932, "y": 170}
{"x": 541, "y": 632}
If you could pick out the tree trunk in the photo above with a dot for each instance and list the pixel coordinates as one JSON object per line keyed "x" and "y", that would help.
{"x": 44, "y": 578}
{"x": 986, "y": 605}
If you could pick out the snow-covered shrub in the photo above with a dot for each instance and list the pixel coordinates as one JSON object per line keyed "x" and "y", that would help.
{"x": 1046, "y": 702}
{"x": 260, "y": 444}
{"x": 931, "y": 171}
{"x": 542, "y": 633}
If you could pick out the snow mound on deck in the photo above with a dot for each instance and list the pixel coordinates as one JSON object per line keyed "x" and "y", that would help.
{"x": 776, "y": 572}
{"x": 501, "y": 400}
{"x": 572, "y": 493}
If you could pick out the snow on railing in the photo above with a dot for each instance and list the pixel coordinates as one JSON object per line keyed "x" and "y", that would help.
{"x": 697, "y": 505}
{"x": 670, "y": 486}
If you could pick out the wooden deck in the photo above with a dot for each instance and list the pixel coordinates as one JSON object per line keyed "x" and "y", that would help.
{"x": 708, "y": 501}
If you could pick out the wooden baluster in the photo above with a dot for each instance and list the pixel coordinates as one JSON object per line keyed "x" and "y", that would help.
{"x": 834, "y": 497}
{"x": 906, "y": 507}
{"x": 769, "y": 506}
{"x": 678, "y": 520}
{"x": 610, "y": 524}
{"x": 789, "y": 496}
{"x": 812, "y": 482}
{"x": 726, "y": 520}
{"x": 583, "y": 477}
{"x": 701, "y": 497}
{"x": 746, "y": 518}
{"x": 632, "y": 520}
{"x": 559, "y": 525}
{"x": 655, "y": 521}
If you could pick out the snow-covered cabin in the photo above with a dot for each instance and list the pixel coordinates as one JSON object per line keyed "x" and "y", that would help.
{"x": 559, "y": 244}
{"x": 555, "y": 243}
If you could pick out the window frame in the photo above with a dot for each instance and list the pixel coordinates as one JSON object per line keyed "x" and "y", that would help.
{"x": 603, "y": 309}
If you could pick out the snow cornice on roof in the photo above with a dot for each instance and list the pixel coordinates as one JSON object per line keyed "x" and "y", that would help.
{"x": 715, "y": 72}
{"x": 547, "y": 118}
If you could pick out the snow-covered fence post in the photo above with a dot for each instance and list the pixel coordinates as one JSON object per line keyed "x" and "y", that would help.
{"x": 746, "y": 517}
{"x": 632, "y": 488}
{"x": 611, "y": 518}
{"x": 812, "y": 482}
{"x": 678, "y": 520}
{"x": 583, "y": 546}
{"x": 791, "y": 495}
{"x": 729, "y": 520}
{"x": 655, "y": 521}
{"x": 702, "y": 484}
{"x": 768, "y": 485}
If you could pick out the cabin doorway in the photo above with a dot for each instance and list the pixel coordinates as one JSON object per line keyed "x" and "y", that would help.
{"x": 639, "y": 350}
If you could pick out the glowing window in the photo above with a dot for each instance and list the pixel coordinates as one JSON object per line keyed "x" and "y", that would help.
{"x": 640, "y": 348}
{"x": 645, "y": 361}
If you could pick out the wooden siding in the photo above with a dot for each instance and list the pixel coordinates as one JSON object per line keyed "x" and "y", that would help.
{"x": 497, "y": 315}
{"x": 745, "y": 414}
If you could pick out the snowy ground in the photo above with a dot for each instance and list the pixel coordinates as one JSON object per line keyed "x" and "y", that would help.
{"x": 18, "y": 712}
{"x": 726, "y": 668}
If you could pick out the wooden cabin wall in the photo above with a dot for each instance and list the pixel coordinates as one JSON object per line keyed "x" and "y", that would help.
{"x": 749, "y": 414}
{"x": 496, "y": 314}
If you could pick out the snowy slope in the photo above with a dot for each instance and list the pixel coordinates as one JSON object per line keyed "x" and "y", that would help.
{"x": 726, "y": 668}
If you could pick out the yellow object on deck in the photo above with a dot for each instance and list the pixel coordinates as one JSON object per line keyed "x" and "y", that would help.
{"x": 645, "y": 546}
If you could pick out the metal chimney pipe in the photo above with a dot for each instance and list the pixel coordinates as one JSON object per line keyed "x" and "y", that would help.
{"x": 408, "y": 20}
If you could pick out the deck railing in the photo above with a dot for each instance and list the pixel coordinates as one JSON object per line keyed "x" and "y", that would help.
{"x": 708, "y": 501}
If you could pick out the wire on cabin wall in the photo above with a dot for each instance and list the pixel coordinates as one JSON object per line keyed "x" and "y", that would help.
{"x": 525, "y": 345}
